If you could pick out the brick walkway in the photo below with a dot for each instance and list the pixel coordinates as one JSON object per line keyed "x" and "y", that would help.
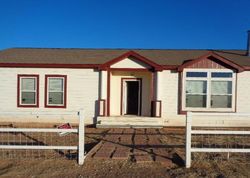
{"x": 139, "y": 145}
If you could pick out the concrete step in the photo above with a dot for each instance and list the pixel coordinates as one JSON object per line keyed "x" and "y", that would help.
{"x": 129, "y": 119}
{"x": 127, "y": 126}
{"x": 129, "y": 122}
{"x": 139, "y": 121}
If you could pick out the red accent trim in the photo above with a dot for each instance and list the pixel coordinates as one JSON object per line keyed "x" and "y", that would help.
{"x": 155, "y": 66}
{"x": 247, "y": 68}
{"x": 104, "y": 108}
{"x": 216, "y": 56}
{"x": 37, "y": 90}
{"x": 79, "y": 66}
{"x": 87, "y": 66}
{"x": 108, "y": 93}
{"x": 154, "y": 108}
{"x": 184, "y": 112}
{"x": 133, "y": 79}
{"x": 170, "y": 67}
{"x": 46, "y": 91}
{"x": 180, "y": 94}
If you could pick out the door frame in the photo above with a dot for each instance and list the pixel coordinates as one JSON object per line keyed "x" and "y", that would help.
{"x": 123, "y": 80}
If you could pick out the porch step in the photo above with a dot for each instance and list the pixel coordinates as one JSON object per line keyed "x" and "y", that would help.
{"x": 129, "y": 122}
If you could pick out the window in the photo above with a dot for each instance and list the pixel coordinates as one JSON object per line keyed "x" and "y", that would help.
{"x": 221, "y": 94}
{"x": 196, "y": 93}
{"x": 28, "y": 91}
{"x": 208, "y": 90}
{"x": 55, "y": 92}
{"x": 196, "y": 74}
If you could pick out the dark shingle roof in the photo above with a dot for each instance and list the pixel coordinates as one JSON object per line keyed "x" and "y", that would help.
{"x": 100, "y": 56}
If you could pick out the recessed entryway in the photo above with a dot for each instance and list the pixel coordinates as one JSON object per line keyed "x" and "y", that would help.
{"x": 121, "y": 82}
{"x": 131, "y": 96}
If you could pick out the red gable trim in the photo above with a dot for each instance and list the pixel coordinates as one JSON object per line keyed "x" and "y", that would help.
{"x": 247, "y": 68}
{"x": 155, "y": 66}
{"x": 170, "y": 67}
{"x": 86, "y": 66}
{"x": 216, "y": 56}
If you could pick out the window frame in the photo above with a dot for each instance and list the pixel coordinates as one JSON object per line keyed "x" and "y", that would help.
{"x": 19, "y": 90}
{"x": 46, "y": 104}
{"x": 209, "y": 80}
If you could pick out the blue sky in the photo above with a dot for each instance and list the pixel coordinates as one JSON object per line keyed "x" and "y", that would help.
{"x": 189, "y": 24}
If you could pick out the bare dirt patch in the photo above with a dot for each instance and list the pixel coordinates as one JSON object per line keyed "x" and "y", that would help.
{"x": 168, "y": 140}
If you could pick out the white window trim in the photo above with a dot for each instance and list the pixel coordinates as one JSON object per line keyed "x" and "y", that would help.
{"x": 21, "y": 91}
{"x": 208, "y": 79}
{"x": 63, "y": 88}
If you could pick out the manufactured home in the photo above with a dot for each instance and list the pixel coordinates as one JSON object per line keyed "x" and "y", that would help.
{"x": 125, "y": 87}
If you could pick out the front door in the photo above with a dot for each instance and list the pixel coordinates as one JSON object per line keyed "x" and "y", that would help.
{"x": 131, "y": 97}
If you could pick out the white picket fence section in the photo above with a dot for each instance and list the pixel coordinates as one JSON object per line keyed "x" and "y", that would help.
{"x": 80, "y": 131}
{"x": 190, "y": 132}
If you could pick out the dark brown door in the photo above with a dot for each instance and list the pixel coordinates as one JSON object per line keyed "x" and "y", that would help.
{"x": 132, "y": 97}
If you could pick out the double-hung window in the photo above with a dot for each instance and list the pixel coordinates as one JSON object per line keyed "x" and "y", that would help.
{"x": 208, "y": 90}
{"x": 28, "y": 91}
{"x": 55, "y": 92}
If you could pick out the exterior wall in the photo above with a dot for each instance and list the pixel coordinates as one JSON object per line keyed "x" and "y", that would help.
{"x": 243, "y": 93}
{"x": 170, "y": 102}
{"x": 115, "y": 91}
{"x": 169, "y": 99}
{"x": 82, "y": 92}
{"x": 129, "y": 63}
{"x": 103, "y": 84}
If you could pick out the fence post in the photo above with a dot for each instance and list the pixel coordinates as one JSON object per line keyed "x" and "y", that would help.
{"x": 81, "y": 134}
{"x": 188, "y": 139}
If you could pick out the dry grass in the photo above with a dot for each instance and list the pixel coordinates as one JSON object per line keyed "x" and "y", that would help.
{"x": 203, "y": 164}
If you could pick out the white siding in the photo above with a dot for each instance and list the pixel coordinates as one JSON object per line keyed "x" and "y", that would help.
{"x": 170, "y": 102}
{"x": 243, "y": 92}
{"x": 129, "y": 63}
{"x": 170, "y": 99}
{"x": 82, "y": 91}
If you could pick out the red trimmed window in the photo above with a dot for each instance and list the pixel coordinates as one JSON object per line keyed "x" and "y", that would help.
{"x": 55, "y": 91}
{"x": 28, "y": 90}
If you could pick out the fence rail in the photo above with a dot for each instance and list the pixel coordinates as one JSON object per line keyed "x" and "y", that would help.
{"x": 190, "y": 132}
{"x": 80, "y": 131}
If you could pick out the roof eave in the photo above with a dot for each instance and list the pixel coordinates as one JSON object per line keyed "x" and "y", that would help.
{"x": 46, "y": 65}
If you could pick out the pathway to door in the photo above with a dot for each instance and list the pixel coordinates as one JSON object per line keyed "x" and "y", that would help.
{"x": 141, "y": 145}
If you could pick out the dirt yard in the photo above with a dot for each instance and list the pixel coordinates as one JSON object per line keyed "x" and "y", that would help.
{"x": 38, "y": 164}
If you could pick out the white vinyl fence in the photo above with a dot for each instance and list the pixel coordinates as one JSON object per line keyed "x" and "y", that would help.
{"x": 80, "y": 131}
{"x": 245, "y": 117}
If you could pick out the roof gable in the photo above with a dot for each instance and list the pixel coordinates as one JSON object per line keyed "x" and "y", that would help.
{"x": 130, "y": 63}
{"x": 135, "y": 57}
{"x": 211, "y": 60}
